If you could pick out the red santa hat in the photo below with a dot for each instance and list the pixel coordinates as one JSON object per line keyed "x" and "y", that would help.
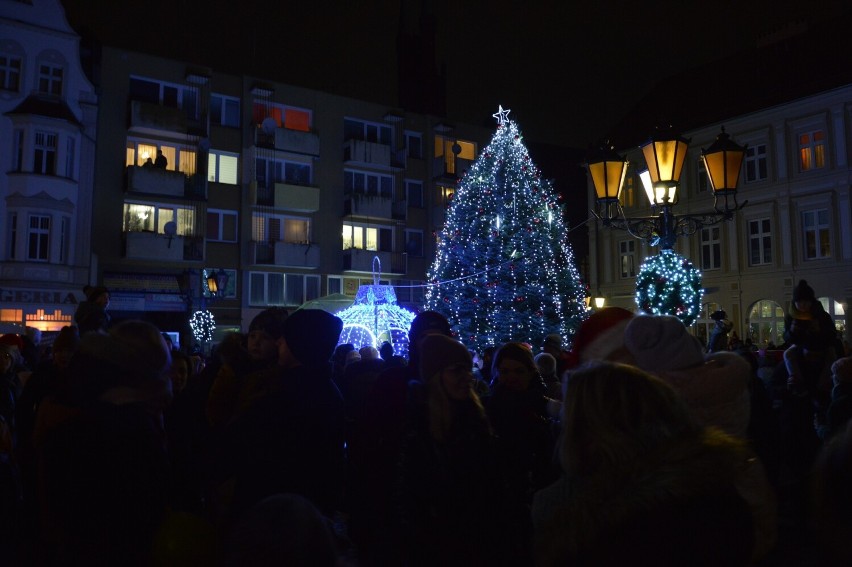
{"x": 600, "y": 335}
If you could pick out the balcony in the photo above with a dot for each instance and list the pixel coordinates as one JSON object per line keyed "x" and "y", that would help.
{"x": 287, "y": 196}
{"x": 287, "y": 140}
{"x": 154, "y": 246}
{"x": 156, "y": 181}
{"x": 358, "y": 260}
{"x": 449, "y": 173}
{"x": 287, "y": 254}
{"x": 368, "y": 206}
{"x": 372, "y": 154}
{"x": 149, "y": 118}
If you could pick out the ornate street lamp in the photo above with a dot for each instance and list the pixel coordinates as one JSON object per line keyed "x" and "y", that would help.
{"x": 217, "y": 282}
{"x": 665, "y": 155}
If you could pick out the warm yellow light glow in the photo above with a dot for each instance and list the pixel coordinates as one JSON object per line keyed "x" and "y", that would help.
{"x": 665, "y": 159}
{"x": 600, "y": 302}
{"x": 608, "y": 178}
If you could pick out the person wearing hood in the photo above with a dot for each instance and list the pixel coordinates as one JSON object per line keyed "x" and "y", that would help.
{"x": 291, "y": 439}
{"x": 715, "y": 387}
{"x": 718, "y": 340}
{"x": 101, "y": 450}
{"x": 646, "y": 483}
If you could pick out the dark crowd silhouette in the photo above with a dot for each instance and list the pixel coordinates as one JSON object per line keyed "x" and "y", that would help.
{"x": 281, "y": 447}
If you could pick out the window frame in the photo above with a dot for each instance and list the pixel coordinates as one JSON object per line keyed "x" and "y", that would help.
{"x": 417, "y": 253}
{"x": 44, "y": 154}
{"x": 761, "y": 237}
{"x": 181, "y": 91}
{"x": 328, "y": 286}
{"x": 812, "y": 153}
{"x": 416, "y": 203}
{"x": 281, "y": 113}
{"x": 364, "y": 238}
{"x": 42, "y": 238}
{"x": 262, "y": 223}
{"x": 627, "y": 251}
{"x": 221, "y": 118}
{"x": 758, "y": 161}
{"x": 8, "y": 72}
{"x": 818, "y": 230}
{"x": 189, "y": 229}
{"x": 214, "y": 161}
{"x": 50, "y": 79}
{"x": 365, "y": 130}
{"x": 276, "y": 164}
{"x": 187, "y": 167}
{"x": 220, "y": 215}
{"x": 413, "y": 150}
{"x": 384, "y": 184}
{"x": 710, "y": 245}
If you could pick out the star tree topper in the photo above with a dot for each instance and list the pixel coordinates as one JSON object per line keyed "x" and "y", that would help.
{"x": 501, "y": 115}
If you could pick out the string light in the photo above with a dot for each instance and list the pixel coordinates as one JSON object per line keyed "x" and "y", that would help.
{"x": 504, "y": 269}
{"x": 668, "y": 284}
{"x": 375, "y": 318}
{"x": 202, "y": 325}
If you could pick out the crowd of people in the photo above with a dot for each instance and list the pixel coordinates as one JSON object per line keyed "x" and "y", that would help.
{"x": 636, "y": 446}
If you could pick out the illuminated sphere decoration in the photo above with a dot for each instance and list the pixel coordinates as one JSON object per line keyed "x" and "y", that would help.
{"x": 668, "y": 284}
{"x": 202, "y": 325}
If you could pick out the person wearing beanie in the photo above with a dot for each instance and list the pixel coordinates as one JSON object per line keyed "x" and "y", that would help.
{"x": 601, "y": 337}
{"x": 715, "y": 387}
{"x": 290, "y": 438}
{"x": 546, "y": 364}
{"x": 810, "y": 338}
{"x": 450, "y": 473}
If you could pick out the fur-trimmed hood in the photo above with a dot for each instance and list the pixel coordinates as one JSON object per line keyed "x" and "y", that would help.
{"x": 716, "y": 391}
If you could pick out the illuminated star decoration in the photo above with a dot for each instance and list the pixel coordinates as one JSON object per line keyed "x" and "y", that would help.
{"x": 501, "y": 115}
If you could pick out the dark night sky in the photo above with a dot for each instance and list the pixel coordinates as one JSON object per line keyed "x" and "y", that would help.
{"x": 565, "y": 77}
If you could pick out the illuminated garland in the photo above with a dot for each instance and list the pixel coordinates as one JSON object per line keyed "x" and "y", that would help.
{"x": 504, "y": 269}
{"x": 668, "y": 284}
{"x": 375, "y": 318}
{"x": 202, "y": 325}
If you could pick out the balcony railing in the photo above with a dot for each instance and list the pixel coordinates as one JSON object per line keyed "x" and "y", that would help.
{"x": 157, "y": 181}
{"x": 442, "y": 171}
{"x": 358, "y": 260}
{"x": 287, "y": 140}
{"x": 287, "y": 196}
{"x": 155, "y": 246}
{"x": 289, "y": 254}
{"x": 152, "y": 118}
{"x": 368, "y": 206}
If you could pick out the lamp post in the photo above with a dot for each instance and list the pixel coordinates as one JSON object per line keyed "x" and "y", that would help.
{"x": 665, "y": 155}
{"x": 217, "y": 282}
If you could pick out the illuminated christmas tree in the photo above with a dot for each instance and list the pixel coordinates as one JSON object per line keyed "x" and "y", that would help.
{"x": 668, "y": 284}
{"x": 504, "y": 269}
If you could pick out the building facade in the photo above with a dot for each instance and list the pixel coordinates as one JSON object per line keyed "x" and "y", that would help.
{"x": 797, "y": 223}
{"x": 292, "y": 193}
{"x": 48, "y": 113}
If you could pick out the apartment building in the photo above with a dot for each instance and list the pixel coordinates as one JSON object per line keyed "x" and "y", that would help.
{"x": 797, "y": 224}
{"x": 48, "y": 113}
{"x": 284, "y": 194}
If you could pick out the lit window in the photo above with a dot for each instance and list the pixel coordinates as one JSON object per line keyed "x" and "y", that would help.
{"x": 812, "y": 150}
{"x": 363, "y": 237}
{"x": 153, "y": 217}
{"x": 222, "y": 167}
{"x": 274, "y": 228}
{"x": 287, "y": 117}
{"x": 817, "y": 238}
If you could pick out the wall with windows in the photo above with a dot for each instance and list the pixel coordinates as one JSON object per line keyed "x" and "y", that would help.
{"x": 48, "y": 113}
{"x": 796, "y": 225}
